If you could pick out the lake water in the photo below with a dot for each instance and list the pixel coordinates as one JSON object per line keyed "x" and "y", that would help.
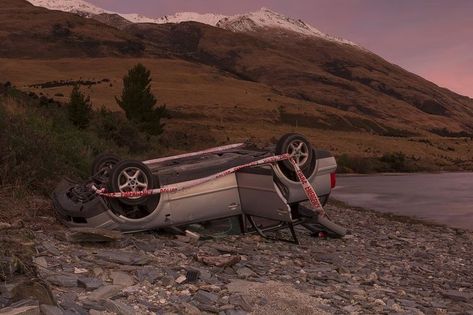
{"x": 445, "y": 198}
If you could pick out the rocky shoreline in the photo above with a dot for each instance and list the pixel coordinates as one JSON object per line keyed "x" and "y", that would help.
{"x": 386, "y": 265}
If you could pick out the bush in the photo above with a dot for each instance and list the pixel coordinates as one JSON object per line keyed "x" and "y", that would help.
{"x": 114, "y": 127}
{"x": 395, "y": 161}
{"x": 38, "y": 145}
{"x": 79, "y": 108}
{"x": 357, "y": 164}
{"x": 389, "y": 162}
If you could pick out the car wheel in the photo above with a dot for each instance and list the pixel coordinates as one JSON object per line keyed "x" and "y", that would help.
{"x": 132, "y": 176}
{"x": 298, "y": 147}
{"x": 102, "y": 167}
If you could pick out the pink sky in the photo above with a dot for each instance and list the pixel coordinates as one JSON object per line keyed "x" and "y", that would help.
{"x": 432, "y": 38}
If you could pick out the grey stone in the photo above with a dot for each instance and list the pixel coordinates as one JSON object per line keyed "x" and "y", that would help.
{"x": 50, "y": 310}
{"x": 35, "y": 289}
{"x": 4, "y": 226}
{"x": 122, "y": 278}
{"x": 148, "y": 273}
{"x": 458, "y": 296}
{"x": 189, "y": 309}
{"x": 240, "y": 301}
{"x": 94, "y": 305}
{"x": 22, "y": 310}
{"x": 205, "y": 297}
{"x": 407, "y": 303}
{"x": 40, "y": 262}
{"x": 226, "y": 249}
{"x": 63, "y": 280}
{"x": 105, "y": 292}
{"x": 118, "y": 307}
{"x": 181, "y": 279}
{"x": 89, "y": 283}
{"x": 123, "y": 258}
{"x": 245, "y": 272}
{"x": 83, "y": 234}
{"x": 219, "y": 261}
{"x": 51, "y": 248}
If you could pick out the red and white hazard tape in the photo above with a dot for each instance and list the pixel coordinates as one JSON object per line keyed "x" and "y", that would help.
{"x": 308, "y": 189}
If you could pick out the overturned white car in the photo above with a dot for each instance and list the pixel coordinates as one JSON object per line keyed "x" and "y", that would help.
{"x": 263, "y": 188}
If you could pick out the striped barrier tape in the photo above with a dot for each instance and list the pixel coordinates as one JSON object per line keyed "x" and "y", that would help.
{"x": 307, "y": 187}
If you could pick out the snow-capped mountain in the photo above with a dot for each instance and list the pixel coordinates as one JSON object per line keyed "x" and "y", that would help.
{"x": 207, "y": 18}
{"x": 248, "y": 22}
{"x": 74, "y": 6}
{"x": 268, "y": 19}
{"x": 84, "y": 8}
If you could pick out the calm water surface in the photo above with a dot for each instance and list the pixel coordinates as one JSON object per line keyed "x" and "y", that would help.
{"x": 445, "y": 198}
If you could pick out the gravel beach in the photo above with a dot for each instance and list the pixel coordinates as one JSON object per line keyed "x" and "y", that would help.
{"x": 385, "y": 265}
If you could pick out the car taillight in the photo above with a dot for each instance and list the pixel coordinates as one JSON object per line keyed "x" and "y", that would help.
{"x": 333, "y": 180}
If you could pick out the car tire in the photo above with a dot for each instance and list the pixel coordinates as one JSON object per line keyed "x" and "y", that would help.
{"x": 298, "y": 147}
{"x": 129, "y": 176}
{"x": 305, "y": 156}
{"x": 103, "y": 165}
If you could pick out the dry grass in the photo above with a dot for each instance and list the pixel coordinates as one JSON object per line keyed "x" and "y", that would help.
{"x": 211, "y": 107}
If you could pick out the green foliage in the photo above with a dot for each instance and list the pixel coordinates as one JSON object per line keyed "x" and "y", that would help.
{"x": 39, "y": 145}
{"x": 389, "y": 162}
{"x": 357, "y": 164}
{"x": 139, "y": 103}
{"x": 79, "y": 108}
{"x": 114, "y": 127}
{"x": 396, "y": 161}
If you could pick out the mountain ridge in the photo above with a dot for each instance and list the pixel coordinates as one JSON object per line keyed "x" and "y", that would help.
{"x": 248, "y": 22}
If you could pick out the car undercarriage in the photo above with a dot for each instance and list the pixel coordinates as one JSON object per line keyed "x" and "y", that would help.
{"x": 265, "y": 189}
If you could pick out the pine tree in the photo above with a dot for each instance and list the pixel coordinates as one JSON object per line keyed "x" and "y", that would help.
{"x": 79, "y": 108}
{"x": 139, "y": 103}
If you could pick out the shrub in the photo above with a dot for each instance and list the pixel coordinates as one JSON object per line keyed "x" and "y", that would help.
{"x": 395, "y": 161}
{"x": 114, "y": 127}
{"x": 38, "y": 145}
{"x": 357, "y": 164}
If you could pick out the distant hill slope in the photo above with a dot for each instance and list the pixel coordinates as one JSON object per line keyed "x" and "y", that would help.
{"x": 321, "y": 71}
{"x": 33, "y": 32}
{"x": 363, "y": 91}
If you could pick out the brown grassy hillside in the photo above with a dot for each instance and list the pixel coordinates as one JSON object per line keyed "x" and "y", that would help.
{"x": 223, "y": 87}
{"x": 321, "y": 72}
